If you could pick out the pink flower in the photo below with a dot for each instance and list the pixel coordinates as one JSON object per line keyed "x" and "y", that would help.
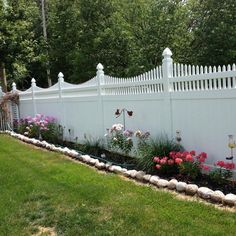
{"x": 204, "y": 167}
{"x": 156, "y": 159}
{"x": 201, "y": 159}
{"x": 172, "y": 154}
{"x": 189, "y": 158}
{"x": 178, "y": 160}
{"x": 204, "y": 155}
{"x": 158, "y": 166}
{"x": 163, "y": 161}
{"x": 171, "y": 162}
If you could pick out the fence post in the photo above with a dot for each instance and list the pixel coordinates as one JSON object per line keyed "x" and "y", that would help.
{"x": 1, "y": 92}
{"x": 100, "y": 82}
{"x": 167, "y": 69}
{"x": 14, "y": 106}
{"x": 33, "y": 86}
{"x": 61, "y": 103}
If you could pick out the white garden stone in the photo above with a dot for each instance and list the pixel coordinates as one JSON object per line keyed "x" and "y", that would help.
{"x": 191, "y": 189}
{"x": 140, "y": 175}
{"x": 217, "y": 196}
{"x": 147, "y": 177}
{"x": 154, "y": 179}
{"x": 100, "y": 165}
{"x": 230, "y": 199}
{"x": 162, "y": 183}
{"x": 181, "y": 186}
{"x": 117, "y": 169}
{"x": 172, "y": 184}
{"x": 204, "y": 192}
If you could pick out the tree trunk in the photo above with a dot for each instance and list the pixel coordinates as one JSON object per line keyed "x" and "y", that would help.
{"x": 3, "y": 77}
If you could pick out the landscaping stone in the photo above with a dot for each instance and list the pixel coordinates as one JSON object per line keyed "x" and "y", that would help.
{"x": 230, "y": 199}
{"x": 139, "y": 175}
{"x": 117, "y": 169}
{"x": 191, "y": 189}
{"x": 181, "y": 186}
{"x": 217, "y": 196}
{"x": 204, "y": 192}
{"x": 154, "y": 179}
{"x": 162, "y": 183}
{"x": 172, "y": 184}
{"x": 100, "y": 165}
{"x": 147, "y": 177}
{"x": 85, "y": 158}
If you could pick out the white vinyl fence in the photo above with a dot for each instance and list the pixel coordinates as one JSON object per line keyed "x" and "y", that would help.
{"x": 200, "y": 102}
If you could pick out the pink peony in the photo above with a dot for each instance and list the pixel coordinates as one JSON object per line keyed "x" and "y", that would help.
{"x": 156, "y": 159}
{"x": 220, "y": 163}
{"x": 204, "y": 167}
{"x": 193, "y": 153}
{"x": 178, "y": 160}
{"x": 189, "y": 158}
{"x": 158, "y": 166}
{"x": 163, "y": 161}
{"x": 171, "y": 162}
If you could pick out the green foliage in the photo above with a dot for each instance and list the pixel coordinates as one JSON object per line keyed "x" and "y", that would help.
{"x": 161, "y": 146}
{"x": 220, "y": 175}
{"x": 191, "y": 170}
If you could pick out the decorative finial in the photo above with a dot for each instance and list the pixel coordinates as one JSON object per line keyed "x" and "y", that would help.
{"x": 167, "y": 53}
{"x": 14, "y": 86}
{"x": 100, "y": 66}
{"x": 33, "y": 82}
{"x": 60, "y": 77}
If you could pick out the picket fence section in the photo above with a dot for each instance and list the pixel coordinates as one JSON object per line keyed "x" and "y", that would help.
{"x": 197, "y": 100}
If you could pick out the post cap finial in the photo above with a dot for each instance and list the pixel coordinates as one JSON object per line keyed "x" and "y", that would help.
{"x": 13, "y": 86}
{"x": 60, "y": 77}
{"x": 100, "y": 66}
{"x": 33, "y": 80}
{"x": 167, "y": 53}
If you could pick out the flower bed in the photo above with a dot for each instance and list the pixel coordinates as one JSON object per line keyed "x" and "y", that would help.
{"x": 173, "y": 184}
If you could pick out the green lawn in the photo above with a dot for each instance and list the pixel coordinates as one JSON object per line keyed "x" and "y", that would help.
{"x": 41, "y": 188}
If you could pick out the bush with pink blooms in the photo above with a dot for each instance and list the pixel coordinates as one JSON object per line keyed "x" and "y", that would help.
{"x": 222, "y": 172}
{"x": 185, "y": 163}
{"x": 40, "y": 127}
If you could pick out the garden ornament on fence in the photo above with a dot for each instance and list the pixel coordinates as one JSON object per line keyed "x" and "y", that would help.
{"x": 178, "y": 137}
{"x": 123, "y": 111}
{"x": 231, "y": 145}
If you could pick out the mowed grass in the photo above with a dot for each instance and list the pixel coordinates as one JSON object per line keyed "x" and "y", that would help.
{"x": 41, "y": 188}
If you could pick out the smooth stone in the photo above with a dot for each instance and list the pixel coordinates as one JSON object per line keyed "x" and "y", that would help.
{"x": 100, "y": 165}
{"x": 181, "y": 186}
{"x": 162, "y": 183}
{"x": 140, "y": 175}
{"x": 204, "y": 192}
{"x": 172, "y": 184}
{"x": 230, "y": 199}
{"x": 146, "y": 177}
{"x": 191, "y": 189}
{"x": 217, "y": 196}
{"x": 117, "y": 169}
{"x": 154, "y": 179}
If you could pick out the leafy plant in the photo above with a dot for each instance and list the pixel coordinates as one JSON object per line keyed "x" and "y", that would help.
{"x": 146, "y": 150}
{"x": 222, "y": 173}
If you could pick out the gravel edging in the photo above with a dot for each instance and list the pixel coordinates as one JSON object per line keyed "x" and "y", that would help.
{"x": 216, "y": 197}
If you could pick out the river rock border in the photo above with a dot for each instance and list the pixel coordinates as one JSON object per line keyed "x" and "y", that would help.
{"x": 205, "y": 193}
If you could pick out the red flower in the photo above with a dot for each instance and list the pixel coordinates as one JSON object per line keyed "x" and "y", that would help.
{"x": 204, "y": 155}
{"x": 163, "y": 161}
{"x": 189, "y": 158}
{"x": 220, "y": 163}
{"x": 229, "y": 165}
{"x": 201, "y": 159}
{"x": 172, "y": 155}
{"x": 193, "y": 153}
{"x": 178, "y": 160}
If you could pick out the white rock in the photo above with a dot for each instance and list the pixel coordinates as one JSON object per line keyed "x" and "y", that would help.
{"x": 217, "y": 196}
{"x": 140, "y": 175}
{"x": 100, "y": 165}
{"x": 117, "y": 169}
{"x": 191, "y": 189}
{"x": 133, "y": 173}
{"x": 146, "y": 177}
{"x": 162, "y": 183}
{"x": 85, "y": 158}
{"x": 204, "y": 192}
{"x": 181, "y": 186}
{"x": 230, "y": 199}
{"x": 154, "y": 179}
{"x": 172, "y": 184}
{"x": 93, "y": 161}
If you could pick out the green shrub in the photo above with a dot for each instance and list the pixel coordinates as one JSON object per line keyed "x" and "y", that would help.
{"x": 161, "y": 146}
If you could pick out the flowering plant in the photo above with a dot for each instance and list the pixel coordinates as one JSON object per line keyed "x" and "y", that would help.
{"x": 40, "y": 126}
{"x": 185, "y": 163}
{"x": 222, "y": 173}
{"x": 120, "y": 139}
